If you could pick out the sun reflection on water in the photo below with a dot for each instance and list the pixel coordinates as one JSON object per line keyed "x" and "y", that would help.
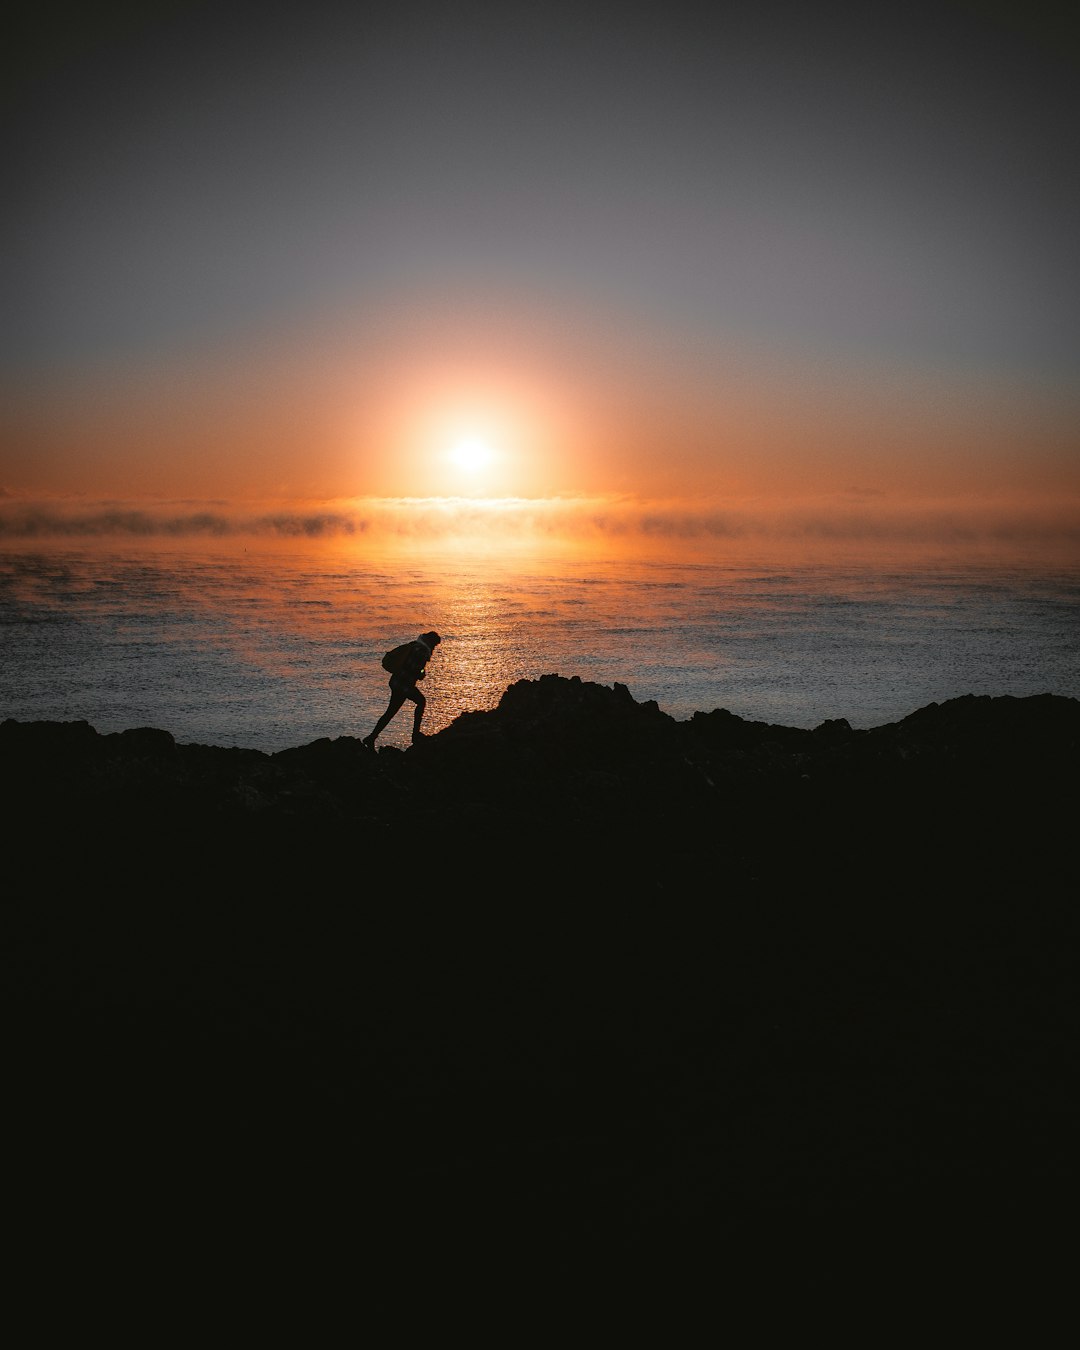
{"x": 281, "y": 648}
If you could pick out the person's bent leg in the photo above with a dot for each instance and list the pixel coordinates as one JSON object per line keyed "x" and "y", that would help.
{"x": 397, "y": 698}
{"x": 419, "y": 710}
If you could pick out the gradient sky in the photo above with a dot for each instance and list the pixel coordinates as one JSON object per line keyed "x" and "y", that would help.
{"x": 744, "y": 252}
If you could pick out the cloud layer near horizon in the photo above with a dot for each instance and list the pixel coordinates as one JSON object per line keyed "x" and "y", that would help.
{"x": 621, "y": 521}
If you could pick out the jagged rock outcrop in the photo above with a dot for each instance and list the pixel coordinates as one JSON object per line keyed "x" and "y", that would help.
{"x": 553, "y": 745}
{"x": 565, "y": 770}
{"x": 567, "y": 966}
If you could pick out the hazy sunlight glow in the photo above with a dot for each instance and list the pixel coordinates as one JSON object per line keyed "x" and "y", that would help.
{"x": 471, "y": 454}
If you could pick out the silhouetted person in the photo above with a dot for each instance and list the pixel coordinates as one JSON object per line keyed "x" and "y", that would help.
{"x": 403, "y": 685}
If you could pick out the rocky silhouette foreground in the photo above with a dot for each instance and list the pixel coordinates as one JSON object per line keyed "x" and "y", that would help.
{"x": 568, "y": 973}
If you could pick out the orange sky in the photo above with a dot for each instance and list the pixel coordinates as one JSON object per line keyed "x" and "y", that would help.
{"x": 565, "y": 409}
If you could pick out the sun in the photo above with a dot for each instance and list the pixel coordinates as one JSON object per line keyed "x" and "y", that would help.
{"x": 471, "y": 454}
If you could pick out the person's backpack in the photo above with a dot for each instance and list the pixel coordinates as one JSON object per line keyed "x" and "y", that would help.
{"x": 395, "y": 657}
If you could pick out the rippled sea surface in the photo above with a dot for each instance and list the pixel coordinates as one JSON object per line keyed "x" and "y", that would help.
{"x": 275, "y": 650}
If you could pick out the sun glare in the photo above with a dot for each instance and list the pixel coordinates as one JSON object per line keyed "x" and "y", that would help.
{"x": 471, "y": 454}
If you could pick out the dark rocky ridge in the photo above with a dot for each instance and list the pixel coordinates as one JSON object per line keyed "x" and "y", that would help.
{"x": 568, "y": 971}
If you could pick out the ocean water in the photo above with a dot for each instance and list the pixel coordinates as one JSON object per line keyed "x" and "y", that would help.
{"x": 277, "y": 649}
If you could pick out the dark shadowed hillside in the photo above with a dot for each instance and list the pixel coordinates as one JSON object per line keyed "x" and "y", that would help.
{"x": 568, "y": 973}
